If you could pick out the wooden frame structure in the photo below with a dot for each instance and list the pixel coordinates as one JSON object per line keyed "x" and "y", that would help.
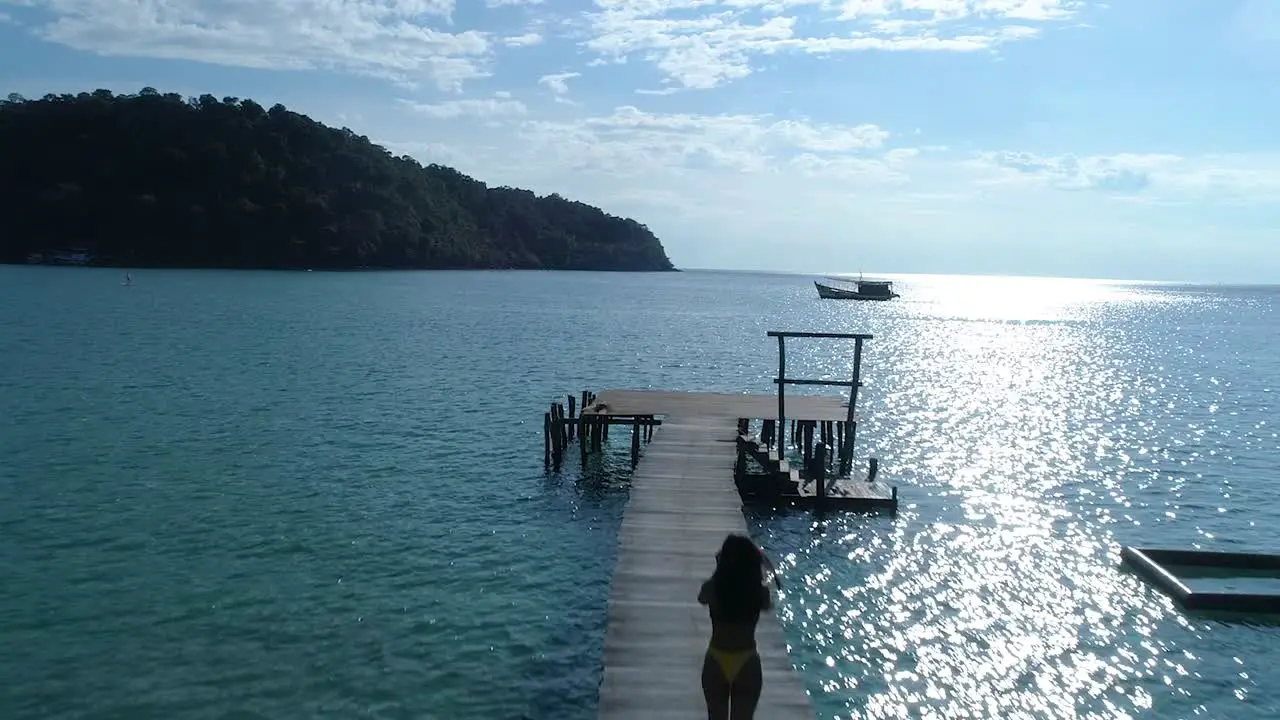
{"x": 850, "y": 427}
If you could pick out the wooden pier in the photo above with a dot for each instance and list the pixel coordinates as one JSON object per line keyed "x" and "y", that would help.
{"x": 682, "y": 505}
{"x": 697, "y": 457}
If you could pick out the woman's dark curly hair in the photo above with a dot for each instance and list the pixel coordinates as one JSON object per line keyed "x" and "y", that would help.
{"x": 739, "y": 577}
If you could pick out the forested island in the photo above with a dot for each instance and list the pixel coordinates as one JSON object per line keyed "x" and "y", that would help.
{"x": 158, "y": 180}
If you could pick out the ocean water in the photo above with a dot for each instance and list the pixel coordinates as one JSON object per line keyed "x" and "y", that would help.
{"x": 313, "y": 495}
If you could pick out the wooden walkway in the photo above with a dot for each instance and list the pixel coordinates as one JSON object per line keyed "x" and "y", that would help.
{"x": 683, "y": 502}
{"x": 629, "y": 403}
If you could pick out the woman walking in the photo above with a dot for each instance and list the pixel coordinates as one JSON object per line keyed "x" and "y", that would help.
{"x": 735, "y": 595}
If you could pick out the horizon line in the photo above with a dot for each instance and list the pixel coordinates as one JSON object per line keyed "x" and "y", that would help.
{"x": 895, "y": 275}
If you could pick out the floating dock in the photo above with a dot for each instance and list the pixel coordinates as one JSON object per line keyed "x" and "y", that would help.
{"x": 697, "y": 457}
{"x": 1166, "y": 568}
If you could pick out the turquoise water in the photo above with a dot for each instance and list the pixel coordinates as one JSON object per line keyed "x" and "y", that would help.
{"x": 322, "y": 496}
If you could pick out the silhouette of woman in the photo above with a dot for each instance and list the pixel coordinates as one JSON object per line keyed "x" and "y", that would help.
{"x": 735, "y": 595}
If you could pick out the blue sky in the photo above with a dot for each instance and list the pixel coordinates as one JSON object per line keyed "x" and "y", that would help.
{"x": 1129, "y": 139}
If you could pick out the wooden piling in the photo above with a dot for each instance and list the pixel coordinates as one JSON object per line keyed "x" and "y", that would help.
{"x": 840, "y": 442}
{"x": 782, "y": 392}
{"x": 557, "y": 436}
{"x": 819, "y": 472}
{"x": 846, "y": 459}
{"x": 562, "y": 427}
{"x": 635, "y": 442}
{"x": 547, "y": 438}
{"x": 851, "y": 437}
{"x": 572, "y": 427}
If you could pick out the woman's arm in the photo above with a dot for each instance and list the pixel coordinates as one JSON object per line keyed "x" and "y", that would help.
{"x": 766, "y": 598}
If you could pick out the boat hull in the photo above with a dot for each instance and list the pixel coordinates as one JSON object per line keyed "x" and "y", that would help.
{"x": 826, "y": 292}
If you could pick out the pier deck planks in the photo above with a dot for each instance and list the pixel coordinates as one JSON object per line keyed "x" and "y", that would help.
{"x": 683, "y": 502}
{"x": 720, "y": 405}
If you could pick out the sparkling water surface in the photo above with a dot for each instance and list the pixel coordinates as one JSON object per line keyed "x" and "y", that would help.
{"x": 315, "y": 495}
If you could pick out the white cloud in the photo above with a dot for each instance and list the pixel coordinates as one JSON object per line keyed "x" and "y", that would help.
{"x": 383, "y": 38}
{"x": 630, "y": 141}
{"x": 758, "y": 190}
{"x": 943, "y": 11}
{"x": 557, "y": 82}
{"x": 1226, "y": 178}
{"x": 712, "y": 166}
{"x": 695, "y": 44}
{"x": 525, "y": 40}
{"x": 825, "y": 138}
{"x": 701, "y": 44}
{"x": 489, "y": 108}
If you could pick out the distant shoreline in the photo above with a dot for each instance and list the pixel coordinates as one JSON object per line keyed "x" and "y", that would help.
{"x": 111, "y": 266}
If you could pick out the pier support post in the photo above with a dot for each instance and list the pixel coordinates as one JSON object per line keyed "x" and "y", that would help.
{"x": 562, "y": 427}
{"x": 818, "y": 468}
{"x": 851, "y": 437}
{"x": 635, "y": 441}
{"x": 557, "y": 436}
{"x": 840, "y": 443}
{"x": 546, "y": 439}
{"x": 587, "y": 426}
{"x": 572, "y": 429}
{"x": 846, "y": 459}
{"x": 782, "y": 384}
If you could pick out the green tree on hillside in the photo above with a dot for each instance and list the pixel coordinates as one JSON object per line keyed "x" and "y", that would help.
{"x": 159, "y": 180}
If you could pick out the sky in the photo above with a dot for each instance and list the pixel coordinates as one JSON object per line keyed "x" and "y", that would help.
{"x": 1131, "y": 139}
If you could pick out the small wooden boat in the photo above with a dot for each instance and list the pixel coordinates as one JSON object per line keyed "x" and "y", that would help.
{"x": 863, "y": 290}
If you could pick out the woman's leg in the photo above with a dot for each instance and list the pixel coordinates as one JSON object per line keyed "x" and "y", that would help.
{"x": 746, "y": 690}
{"x": 715, "y": 689}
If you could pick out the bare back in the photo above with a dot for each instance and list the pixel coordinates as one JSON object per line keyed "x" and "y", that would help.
{"x": 731, "y": 635}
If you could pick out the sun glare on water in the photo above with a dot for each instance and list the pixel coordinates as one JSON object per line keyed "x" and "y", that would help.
{"x": 1029, "y": 424}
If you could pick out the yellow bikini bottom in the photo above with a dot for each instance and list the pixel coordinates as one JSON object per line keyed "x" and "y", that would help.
{"x": 731, "y": 661}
